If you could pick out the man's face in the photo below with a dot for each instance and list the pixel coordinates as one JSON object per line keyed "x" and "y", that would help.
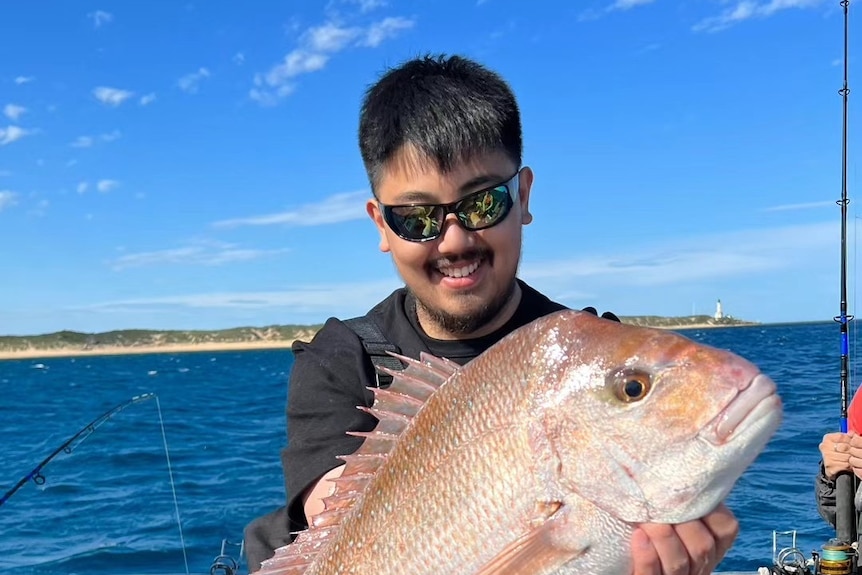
{"x": 463, "y": 281}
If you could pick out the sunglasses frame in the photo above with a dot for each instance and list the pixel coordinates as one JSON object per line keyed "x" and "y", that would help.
{"x": 512, "y": 186}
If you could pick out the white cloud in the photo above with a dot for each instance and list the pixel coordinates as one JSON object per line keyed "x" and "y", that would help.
{"x": 100, "y": 18}
{"x": 733, "y": 254}
{"x": 11, "y": 134}
{"x": 106, "y": 186}
{"x": 147, "y": 99}
{"x": 332, "y": 210}
{"x": 628, "y": 4}
{"x": 13, "y": 112}
{"x": 387, "y": 28}
{"x": 190, "y": 82}
{"x": 749, "y": 9}
{"x": 316, "y": 46}
{"x": 369, "y": 5}
{"x": 207, "y": 253}
{"x": 82, "y": 187}
{"x": 111, "y": 136}
{"x": 7, "y": 199}
{"x": 24, "y": 79}
{"x": 238, "y": 59}
{"x": 350, "y": 298}
{"x": 111, "y": 96}
{"x": 802, "y": 206}
{"x": 82, "y": 142}
{"x": 88, "y": 141}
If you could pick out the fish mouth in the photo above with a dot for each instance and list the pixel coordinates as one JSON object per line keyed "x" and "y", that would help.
{"x": 758, "y": 400}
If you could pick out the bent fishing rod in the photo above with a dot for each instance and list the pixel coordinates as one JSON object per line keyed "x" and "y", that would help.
{"x": 70, "y": 444}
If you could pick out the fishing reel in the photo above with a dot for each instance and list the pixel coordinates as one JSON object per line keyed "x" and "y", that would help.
{"x": 836, "y": 557}
{"x": 225, "y": 564}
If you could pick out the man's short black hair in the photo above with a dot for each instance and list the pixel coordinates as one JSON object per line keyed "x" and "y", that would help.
{"x": 447, "y": 109}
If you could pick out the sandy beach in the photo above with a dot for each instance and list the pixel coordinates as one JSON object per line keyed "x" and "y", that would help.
{"x": 35, "y": 353}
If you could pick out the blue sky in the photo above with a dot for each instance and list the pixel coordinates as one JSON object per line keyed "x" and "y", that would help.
{"x": 193, "y": 165}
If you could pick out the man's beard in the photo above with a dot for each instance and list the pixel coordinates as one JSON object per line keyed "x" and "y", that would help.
{"x": 465, "y": 324}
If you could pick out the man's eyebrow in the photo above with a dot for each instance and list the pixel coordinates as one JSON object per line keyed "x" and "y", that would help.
{"x": 471, "y": 185}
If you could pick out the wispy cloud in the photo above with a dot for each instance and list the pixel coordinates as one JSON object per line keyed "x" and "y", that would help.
{"x": 111, "y": 96}
{"x": 190, "y": 82}
{"x": 369, "y": 5}
{"x": 617, "y": 5}
{"x": 106, "y": 186}
{"x": 349, "y": 298}
{"x": 238, "y": 59}
{"x": 628, "y": 4}
{"x": 147, "y": 99}
{"x": 100, "y": 18}
{"x": 5, "y": 173}
{"x": 82, "y": 142}
{"x": 24, "y": 79}
{"x": 13, "y": 112}
{"x": 802, "y": 206}
{"x": 7, "y": 199}
{"x": 332, "y": 210}
{"x": 203, "y": 252}
{"x": 11, "y": 134}
{"x": 709, "y": 257}
{"x": 88, "y": 141}
{"x": 748, "y": 10}
{"x": 316, "y": 46}
{"x": 82, "y": 187}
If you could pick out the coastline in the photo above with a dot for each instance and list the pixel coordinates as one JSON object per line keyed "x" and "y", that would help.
{"x": 101, "y": 350}
{"x": 48, "y": 353}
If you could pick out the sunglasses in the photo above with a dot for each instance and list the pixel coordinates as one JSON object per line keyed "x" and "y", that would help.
{"x": 477, "y": 211}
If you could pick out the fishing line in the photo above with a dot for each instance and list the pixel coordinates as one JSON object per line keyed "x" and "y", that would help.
{"x": 173, "y": 485}
{"x": 37, "y": 477}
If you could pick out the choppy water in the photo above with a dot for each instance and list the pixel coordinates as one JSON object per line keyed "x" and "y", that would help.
{"x": 108, "y": 507}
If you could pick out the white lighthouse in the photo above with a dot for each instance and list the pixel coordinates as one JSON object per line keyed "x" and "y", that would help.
{"x": 718, "y": 313}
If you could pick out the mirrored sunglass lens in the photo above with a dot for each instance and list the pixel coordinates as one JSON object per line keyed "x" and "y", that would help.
{"x": 484, "y": 208}
{"x": 417, "y": 222}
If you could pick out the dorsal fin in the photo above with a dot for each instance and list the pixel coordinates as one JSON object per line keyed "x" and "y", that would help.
{"x": 394, "y": 408}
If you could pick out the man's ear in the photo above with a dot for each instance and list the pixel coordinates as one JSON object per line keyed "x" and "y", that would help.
{"x": 525, "y": 185}
{"x": 373, "y": 210}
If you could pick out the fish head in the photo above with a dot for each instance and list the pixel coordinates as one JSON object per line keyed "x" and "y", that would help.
{"x": 646, "y": 424}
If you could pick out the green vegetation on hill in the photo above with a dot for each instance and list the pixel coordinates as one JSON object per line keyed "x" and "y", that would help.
{"x": 145, "y": 337}
{"x": 683, "y": 321}
{"x": 275, "y": 333}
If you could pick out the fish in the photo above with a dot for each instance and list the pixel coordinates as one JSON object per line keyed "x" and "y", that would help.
{"x": 540, "y": 456}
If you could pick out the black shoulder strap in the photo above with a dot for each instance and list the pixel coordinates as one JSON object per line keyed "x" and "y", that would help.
{"x": 376, "y": 345}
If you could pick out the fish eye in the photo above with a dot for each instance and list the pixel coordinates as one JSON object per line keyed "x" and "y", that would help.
{"x": 631, "y": 385}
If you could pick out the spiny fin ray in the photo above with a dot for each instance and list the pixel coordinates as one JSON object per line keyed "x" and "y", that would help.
{"x": 394, "y": 408}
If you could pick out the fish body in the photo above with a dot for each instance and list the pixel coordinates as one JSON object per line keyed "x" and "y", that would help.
{"x": 541, "y": 455}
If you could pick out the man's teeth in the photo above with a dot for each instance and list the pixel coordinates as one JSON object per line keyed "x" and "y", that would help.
{"x": 459, "y": 272}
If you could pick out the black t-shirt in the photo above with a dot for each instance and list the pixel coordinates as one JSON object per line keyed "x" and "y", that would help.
{"x": 332, "y": 373}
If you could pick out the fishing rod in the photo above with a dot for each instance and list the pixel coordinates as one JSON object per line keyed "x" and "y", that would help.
{"x": 70, "y": 444}
{"x": 845, "y": 519}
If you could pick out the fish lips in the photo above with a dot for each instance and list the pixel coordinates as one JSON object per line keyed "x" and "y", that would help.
{"x": 756, "y": 408}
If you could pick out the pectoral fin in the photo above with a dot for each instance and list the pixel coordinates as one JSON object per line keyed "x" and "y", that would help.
{"x": 543, "y": 549}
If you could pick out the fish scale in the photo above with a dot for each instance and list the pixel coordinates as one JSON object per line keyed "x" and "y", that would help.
{"x": 532, "y": 459}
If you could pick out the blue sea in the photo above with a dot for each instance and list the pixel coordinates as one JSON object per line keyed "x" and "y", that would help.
{"x": 163, "y": 484}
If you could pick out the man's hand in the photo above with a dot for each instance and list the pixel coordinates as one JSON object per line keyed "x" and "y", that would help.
{"x": 836, "y": 450}
{"x": 692, "y": 548}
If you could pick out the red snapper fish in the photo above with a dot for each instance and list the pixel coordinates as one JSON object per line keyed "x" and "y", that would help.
{"x": 540, "y": 456}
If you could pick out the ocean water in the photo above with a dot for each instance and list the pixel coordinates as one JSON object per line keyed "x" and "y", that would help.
{"x": 120, "y": 503}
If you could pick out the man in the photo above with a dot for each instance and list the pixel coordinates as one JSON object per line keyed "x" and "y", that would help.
{"x": 841, "y": 452}
{"x": 441, "y": 142}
